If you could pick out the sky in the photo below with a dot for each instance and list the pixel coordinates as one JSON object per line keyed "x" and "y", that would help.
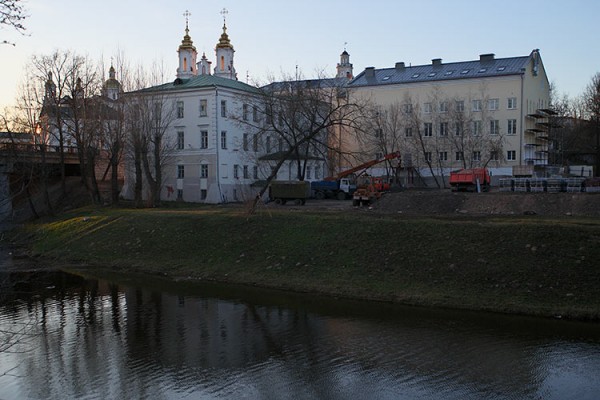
{"x": 274, "y": 37}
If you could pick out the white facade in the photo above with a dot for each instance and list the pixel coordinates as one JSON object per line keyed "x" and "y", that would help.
{"x": 504, "y": 102}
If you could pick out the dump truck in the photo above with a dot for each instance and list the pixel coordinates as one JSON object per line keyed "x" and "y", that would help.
{"x": 339, "y": 189}
{"x": 283, "y": 191}
{"x": 472, "y": 179}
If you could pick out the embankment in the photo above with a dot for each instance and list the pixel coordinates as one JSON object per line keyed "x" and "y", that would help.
{"x": 521, "y": 264}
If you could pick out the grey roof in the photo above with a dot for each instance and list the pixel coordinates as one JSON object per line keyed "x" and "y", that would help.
{"x": 483, "y": 68}
{"x": 199, "y": 82}
{"x": 306, "y": 83}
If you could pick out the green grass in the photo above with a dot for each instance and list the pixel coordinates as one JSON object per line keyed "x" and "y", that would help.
{"x": 531, "y": 265}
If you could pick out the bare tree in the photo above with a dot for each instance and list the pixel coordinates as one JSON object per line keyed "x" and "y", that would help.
{"x": 301, "y": 117}
{"x": 592, "y": 101}
{"x": 12, "y": 14}
{"x": 150, "y": 114}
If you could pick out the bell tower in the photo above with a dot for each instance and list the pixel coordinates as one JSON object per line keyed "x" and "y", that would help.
{"x": 224, "y": 52}
{"x": 187, "y": 54}
{"x": 344, "y": 68}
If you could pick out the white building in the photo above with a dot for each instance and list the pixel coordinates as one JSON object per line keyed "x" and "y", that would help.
{"x": 491, "y": 111}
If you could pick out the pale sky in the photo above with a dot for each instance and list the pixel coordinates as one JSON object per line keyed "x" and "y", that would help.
{"x": 272, "y": 37}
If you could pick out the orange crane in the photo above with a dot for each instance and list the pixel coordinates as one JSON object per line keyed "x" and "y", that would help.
{"x": 363, "y": 166}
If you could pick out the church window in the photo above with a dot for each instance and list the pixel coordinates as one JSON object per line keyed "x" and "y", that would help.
{"x": 245, "y": 112}
{"x": 180, "y": 140}
{"x": 223, "y": 139}
{"x": 255, "y": 114}
{"x": 203, "y": 107}
{"x": 245, "y": 142}
{"x": 245, "y": 172}
{"x": 184, "y": 63}
{"x": 203, "y": 193}
{"x": 180, "y": 109}
{"x": 204, "y": 139}
{"x": 223, "y": 108}
{"x": 204, "y": 171}
{"x": 236, "y": 171}
{"x": 222, "y": 63}
{"x": 180, "y": 171}
{"x": 255, "y": 172}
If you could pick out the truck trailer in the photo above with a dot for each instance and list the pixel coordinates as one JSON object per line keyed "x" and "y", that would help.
{"x": 283, "y": 191}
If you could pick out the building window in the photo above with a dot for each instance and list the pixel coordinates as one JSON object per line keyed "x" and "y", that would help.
{"x": 245, "y": 112}
{"x": 427, "y": 155}
{"x": 443, "y": 129}
{"x": 493, "y": 104}
{"x": 204, "y": 139}
{"x": 408, "y": 132}
{"x": 428, "y": 108}
{"x": 245, "y": 142}
{"x": 308, "y": 172}
{"x": 280, "y": 144}
{"x": 443, "y": 155}
{"x": 180, "y": 172}
{"x": 511, "y": 155}
{"x": 236, "y": 171}
{"x": 458, "y": 128}
{"x": 512, "y": 127}
{"x": 460, "y": 106}
{"x": 255, "y": 172}
{"x": 223, "y": 139}
{"x": 317, "y": 172}
{"x": 443, "y": 107}
{"x": 180, "y": 140}
{"x": 378, "y": 133}
{"x": 255, "y": 143}
{"x": 255, "y": 114}
{"x": 204, "y": 171}
{"x": 203, "y": 194}
{"x": 477, "y": 156}
{"x": 476, "y": 105}
{"x": 458, "y": 156}
{"x": 476, "y": 128}
{"x": 428, "y": 129}
{"x": 223, "y": 108}
{"x": 512, "y": 103}
{"x": 493, "y": 155}
{"x": 203, "y": 107}
{"x": 180, "y": 109}
{"x": 179, "y": 194}
{"x": 408, "y": 108}
{"x": 494, "y": 127}
{"x": 245, "y": 172}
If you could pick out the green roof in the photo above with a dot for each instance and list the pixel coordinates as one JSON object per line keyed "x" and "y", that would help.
{"x": 201, "y": 82}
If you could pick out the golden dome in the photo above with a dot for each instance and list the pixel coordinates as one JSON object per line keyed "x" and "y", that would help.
{"x": 224, "y": 42}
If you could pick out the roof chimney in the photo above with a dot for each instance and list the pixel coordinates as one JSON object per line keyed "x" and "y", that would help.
{"x": 486, "y": 57}
{"x": 436, "y": 62}
{"x": 400, "y": 66}
{"x": 370, "y": 72}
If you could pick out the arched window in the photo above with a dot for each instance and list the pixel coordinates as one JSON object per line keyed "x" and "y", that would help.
{"x": 184, "y": 64}
{"x": 222, "y": 63}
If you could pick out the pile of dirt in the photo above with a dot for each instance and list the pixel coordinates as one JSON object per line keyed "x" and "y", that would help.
{"x": 446, "y": 202}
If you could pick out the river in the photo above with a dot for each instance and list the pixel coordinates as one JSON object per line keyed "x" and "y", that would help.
{"x": 131, "y": 337}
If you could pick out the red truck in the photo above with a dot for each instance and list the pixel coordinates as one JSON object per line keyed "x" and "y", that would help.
{"x": 474, "y": 179}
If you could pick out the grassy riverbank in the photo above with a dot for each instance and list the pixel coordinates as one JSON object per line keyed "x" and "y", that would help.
{"x": 529, "y": 265}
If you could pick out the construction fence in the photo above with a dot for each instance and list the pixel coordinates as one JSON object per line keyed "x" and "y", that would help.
{"x": 550, "y": 185}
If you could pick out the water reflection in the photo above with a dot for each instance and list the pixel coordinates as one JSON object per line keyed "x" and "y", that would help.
{"x": 99, "y": 339}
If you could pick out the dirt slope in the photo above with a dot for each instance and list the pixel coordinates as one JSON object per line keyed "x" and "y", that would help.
{"x": 444, "y": 202}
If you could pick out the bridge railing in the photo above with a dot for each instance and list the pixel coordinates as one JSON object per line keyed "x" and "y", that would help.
{"x": 28, "y": 148}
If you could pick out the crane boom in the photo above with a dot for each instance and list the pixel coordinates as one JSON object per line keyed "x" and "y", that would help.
{"x": 363, "y": 166}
